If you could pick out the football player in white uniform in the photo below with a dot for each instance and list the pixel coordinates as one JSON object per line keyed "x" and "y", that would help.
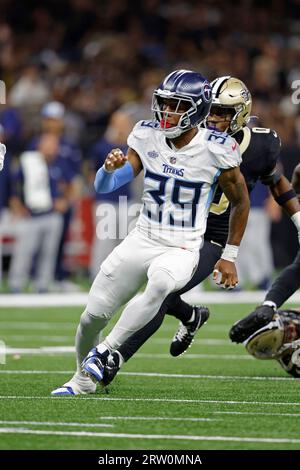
{"x": 182, "y": 165}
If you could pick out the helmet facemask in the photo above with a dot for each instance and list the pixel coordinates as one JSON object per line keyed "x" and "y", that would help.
{"x": 160, "y": 115}
{"x": 221, "y": 112}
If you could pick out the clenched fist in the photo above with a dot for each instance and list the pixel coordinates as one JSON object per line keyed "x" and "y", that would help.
{"x": 114, "y": 160}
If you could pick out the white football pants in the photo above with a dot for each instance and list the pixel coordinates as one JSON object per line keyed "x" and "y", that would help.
{"x": 135, "y": 261}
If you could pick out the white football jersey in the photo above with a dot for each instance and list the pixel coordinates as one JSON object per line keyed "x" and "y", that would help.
{"x": 179, "y": 184}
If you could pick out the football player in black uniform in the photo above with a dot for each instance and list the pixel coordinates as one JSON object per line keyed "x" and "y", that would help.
{"x": 278, "y": 338}
{"x": 269, "y": 333}
{"x": 260, "y": 148}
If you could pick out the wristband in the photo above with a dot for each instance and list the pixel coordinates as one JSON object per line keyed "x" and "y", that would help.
{"x": 230, "y": 253}
{"x": 285, "y": 197}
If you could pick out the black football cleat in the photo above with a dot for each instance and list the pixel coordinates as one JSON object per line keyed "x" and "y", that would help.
{"x": 184, "y": 336}
{"x": 245, "y": 327}
{"x": 111, "y": 368}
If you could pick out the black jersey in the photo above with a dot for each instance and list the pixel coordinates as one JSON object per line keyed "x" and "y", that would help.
{"x": 260, "y": 149}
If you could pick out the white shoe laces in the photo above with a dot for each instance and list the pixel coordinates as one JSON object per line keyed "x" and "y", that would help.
{"x": 182, "y": 332}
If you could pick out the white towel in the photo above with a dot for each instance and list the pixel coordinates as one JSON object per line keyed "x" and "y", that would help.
{"x": 37, "y": 193}
{"x": 2, "y": 155}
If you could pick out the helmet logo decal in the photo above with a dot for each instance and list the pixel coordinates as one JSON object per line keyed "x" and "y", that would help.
{"x": 207, "y": 92}
{"x": 245, "y": 94}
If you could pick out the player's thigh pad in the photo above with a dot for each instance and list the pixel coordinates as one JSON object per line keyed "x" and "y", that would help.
{"x": 120, "y": 276}
{"x": 178, "y": 263}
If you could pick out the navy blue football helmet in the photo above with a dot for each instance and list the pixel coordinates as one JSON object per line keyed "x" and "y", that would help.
{"x": 192, "y": 95}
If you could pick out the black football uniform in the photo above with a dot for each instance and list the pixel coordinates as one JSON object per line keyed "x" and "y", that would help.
{"x": 260, "y": 150}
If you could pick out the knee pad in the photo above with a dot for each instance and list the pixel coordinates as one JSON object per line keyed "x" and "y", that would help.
{"x": 87, "y": 321}
{"x": 160, "y": 283}
{"x": 99, "y": 307}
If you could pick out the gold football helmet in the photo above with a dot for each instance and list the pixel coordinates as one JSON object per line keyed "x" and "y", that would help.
{"x": 266, "y": 342}
{"x": 280, "y": 340}
{"x": 231, "y": 93}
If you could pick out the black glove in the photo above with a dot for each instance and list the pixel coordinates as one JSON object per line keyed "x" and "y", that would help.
{"x": 245, "y": 327}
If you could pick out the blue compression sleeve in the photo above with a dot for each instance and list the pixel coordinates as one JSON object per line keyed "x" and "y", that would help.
{"x": 106, "y": 182}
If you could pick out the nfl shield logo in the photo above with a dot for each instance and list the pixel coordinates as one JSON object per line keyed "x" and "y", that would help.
{"x": 173, "y": 160}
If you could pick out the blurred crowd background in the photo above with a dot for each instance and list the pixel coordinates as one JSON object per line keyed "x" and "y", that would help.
{"x": 80, "y": 73}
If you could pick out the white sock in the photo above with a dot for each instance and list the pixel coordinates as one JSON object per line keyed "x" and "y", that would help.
{"x": 103, "y": 348}
{"x": 269, "y": 303}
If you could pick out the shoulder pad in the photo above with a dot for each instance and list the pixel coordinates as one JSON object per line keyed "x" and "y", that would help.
{"x": 219, "y": 142}
{"x": 267, "y": 135}
{"x": 225, "y": 148}
{"x": 142, "y": 128}
{"x": 275, "y": 139}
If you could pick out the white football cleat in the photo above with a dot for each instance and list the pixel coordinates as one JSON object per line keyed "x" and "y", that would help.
{"x": 78, "y": 385}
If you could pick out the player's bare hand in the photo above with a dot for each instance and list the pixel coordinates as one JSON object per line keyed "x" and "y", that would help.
{"x": 225, "y": 274}
{"x": 115, "y": 159}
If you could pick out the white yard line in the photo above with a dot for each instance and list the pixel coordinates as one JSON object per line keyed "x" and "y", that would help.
{"x": 149, "y": 436}
{"x": 197, "y": 356}
{"x": 55, "y": 339}
{"x": 37, "y": 372}
{"x": 44, "y": 300}
{"x": 166, "y": 340}
{"x": 80, "y": 299}
{"x": 198, "y": 341}
{"x": 19, "y": 325}
{"x": 109, "y": 418}
{"x": 71, "y": 349}
{"x": 203, "y": 376}
{"x": 256, "y": 413}
{"x": 154, "y": 374}
{"x": 231, "y": 297}
{"x": 151, "y": 400}
{"x": 41, "y": 351}
{"x": 154, "y": 418}
{"x": 54, "y": 423}
{"x": 71, "y": 326}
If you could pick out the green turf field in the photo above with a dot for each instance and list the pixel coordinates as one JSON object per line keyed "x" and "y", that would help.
{"x": 214, "y": 397}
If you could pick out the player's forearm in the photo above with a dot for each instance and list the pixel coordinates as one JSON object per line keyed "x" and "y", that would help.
{"x": 285, "y": 196}
{"x": 106, "y": 182}
{"x": 238, "y": 221}
{"x": 235, "y": 189}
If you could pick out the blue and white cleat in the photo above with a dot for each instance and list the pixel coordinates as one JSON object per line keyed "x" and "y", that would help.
{"x": 78, "y": 385}
{"x": 93, "y": 365}
{"x": 63, "y": 391}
